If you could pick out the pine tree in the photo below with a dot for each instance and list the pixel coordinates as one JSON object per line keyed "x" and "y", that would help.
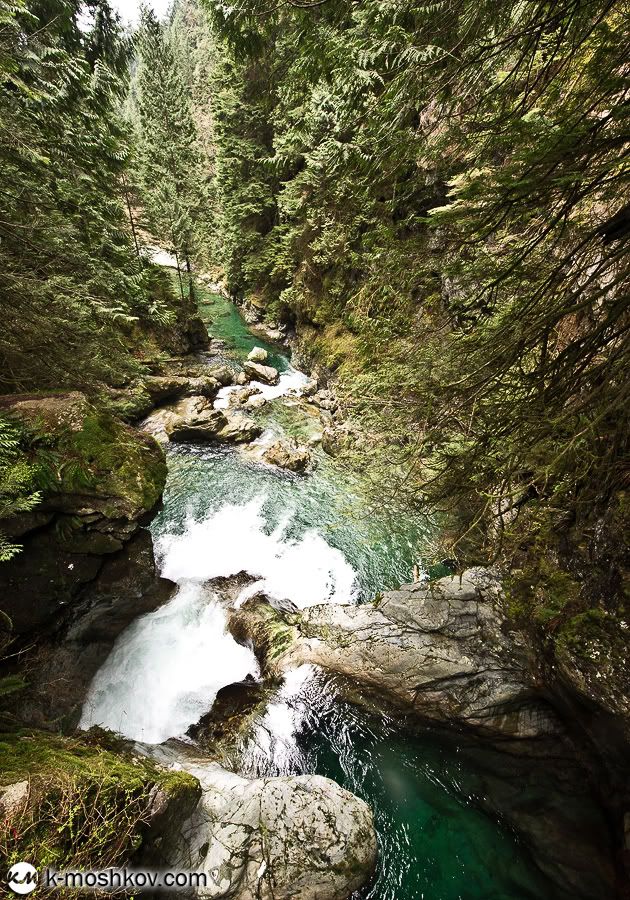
{"x": 68, "y": 274}
{"x": 169, "y": 161}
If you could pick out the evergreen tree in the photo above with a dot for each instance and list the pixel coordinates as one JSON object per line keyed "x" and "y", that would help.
{"x": 68, "y": 275}
{"x": 169, "y": 161}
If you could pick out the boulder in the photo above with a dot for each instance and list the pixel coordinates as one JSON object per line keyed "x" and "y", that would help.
{"x": 197, "y": 333}
{"x": 439, "y": 649}
{"x": 310, "y": 388}
{"x": 287, "y": 455}
{"x": 164, "y": 387}
{"x": 266, "y": 374}
{"x": 274, "y": 333}
{"x": 324, "y": 399}
{"x": 223, "y": 374}
{"x": 202, "y": 386}
{"x": 242, "y": 397}
{"x": 257, "y": 355}
{"x": 298, "y": 837}
{"x": 13, "y": 799}
{"x": 195, "y": 419}
{"x": 239, "y": 429}
{"x": 241, "y": 378}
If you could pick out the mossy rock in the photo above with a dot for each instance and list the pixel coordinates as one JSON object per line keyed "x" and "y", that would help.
{"x": 89, "y": 802}
{"x": 89, "y": 452}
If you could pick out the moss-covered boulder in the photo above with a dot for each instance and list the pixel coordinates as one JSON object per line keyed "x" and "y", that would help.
{"x": 100, "y": 480}
{"x": 88, "y": 804}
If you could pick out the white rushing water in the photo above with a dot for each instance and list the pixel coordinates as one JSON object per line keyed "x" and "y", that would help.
{"x": 291, "y": 382}
{"x": 166, "y": 668}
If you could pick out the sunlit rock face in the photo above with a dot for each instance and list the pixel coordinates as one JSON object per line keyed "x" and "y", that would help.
{"x": 289, "y": 838}
{"x": 439, "y": 648}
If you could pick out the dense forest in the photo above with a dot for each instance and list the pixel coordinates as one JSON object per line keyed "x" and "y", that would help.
{"x": 430, "y": 199}
{"x": 432, "y": 195}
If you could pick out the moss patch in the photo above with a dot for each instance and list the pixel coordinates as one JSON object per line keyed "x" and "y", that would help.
{"x": 111, "y": 459}
{"x": 88, "y": 806}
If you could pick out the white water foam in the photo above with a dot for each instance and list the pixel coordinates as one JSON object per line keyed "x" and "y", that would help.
{"x": 291, "y": 382}
{"x": 166, "y": 668}
{"x": 305, "y": 571}
{"x": 273, "y": 744}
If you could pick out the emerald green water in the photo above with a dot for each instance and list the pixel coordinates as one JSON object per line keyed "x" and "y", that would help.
{"x": 436, "y": 841}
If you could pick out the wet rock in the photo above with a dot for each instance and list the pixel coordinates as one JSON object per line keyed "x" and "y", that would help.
{"x": 126, "y": 586}
{"x": 231, "y": 716}
{"x": 443, "y": 652}
{"x": 195, "y": 419}
{"x": 165, "y": 387}
{"x": 230, "y": 587}
{"x": 257, "y": 355}
{"x": 289, "y": 838}
{"x": 287, "y": 455}
{"x": 239, "y": 429}
{"x": 439, "y": 649}
{"x": 266, "y": 374}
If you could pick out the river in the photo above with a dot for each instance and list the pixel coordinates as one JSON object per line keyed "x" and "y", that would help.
{"x": 307, "y": 539}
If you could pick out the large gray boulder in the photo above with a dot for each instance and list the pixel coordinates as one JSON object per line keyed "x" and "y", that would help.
{"x": 195, "y": 419}
{"x": 441, "y": 649}
{"x": 266, "y": 374}
{"x": 289, "y": 838}
{"x": 257, "y": 355}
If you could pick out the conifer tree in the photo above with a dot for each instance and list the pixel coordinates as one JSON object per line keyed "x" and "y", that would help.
{"x": 68, "y": 274}
{"x": 169, "y": 161}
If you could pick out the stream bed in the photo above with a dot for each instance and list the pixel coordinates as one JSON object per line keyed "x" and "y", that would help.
{"x": 306, "y": 539}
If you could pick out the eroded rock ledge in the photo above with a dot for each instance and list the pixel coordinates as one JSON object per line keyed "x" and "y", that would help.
{"x": 442, "y": 649}
{"x": 444, "y": 652}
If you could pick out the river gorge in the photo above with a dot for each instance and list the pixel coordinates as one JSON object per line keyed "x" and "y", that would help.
{"x": 439, "y": 800}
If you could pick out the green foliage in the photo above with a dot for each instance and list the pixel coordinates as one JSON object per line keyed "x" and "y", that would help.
{"x": 445, "y": 183}
{"x": 68, "y": 276}
{"x": 87, "y": 806}
{"x": 169, "y": 161}
{"x": 19, "y": 480}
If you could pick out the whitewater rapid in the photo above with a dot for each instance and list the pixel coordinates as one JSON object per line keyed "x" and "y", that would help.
{"x": 165, "y": 670}
{"x": 291, "y": 382}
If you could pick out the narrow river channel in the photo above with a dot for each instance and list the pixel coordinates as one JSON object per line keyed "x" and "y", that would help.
{"x": 305, "y": 539}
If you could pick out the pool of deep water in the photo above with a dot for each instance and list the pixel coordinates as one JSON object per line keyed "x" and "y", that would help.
{"x": 310, "y": 539}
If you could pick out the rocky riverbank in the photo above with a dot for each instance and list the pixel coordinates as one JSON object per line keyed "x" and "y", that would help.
{"x": 444, "y": 652}
{"x": 86, "y": 571}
